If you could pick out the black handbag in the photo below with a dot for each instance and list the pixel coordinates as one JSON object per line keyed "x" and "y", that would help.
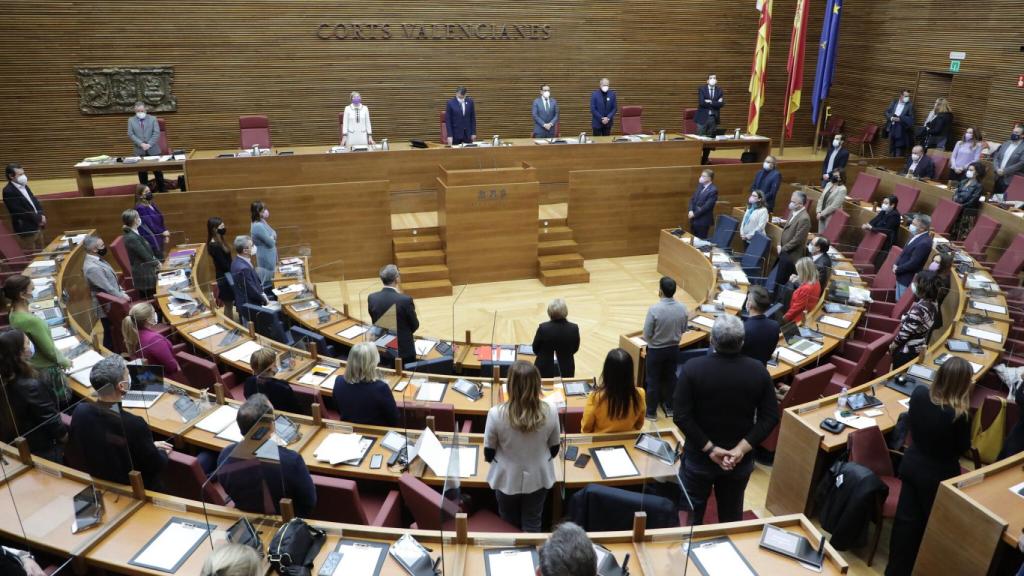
{"x": 294, "y": 547}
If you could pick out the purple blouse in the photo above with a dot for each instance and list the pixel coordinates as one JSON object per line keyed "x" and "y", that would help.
{"x": 154, "y": 221}
{"x": 963, "y": 155}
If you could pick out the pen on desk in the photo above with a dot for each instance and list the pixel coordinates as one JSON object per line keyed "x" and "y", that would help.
{"x": 625, "y": 564}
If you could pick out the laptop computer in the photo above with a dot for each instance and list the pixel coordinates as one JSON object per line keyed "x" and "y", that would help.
{"x": 146, "y": 386}
{"x": 793, "y": 545}
{"x": 797, "y": 342}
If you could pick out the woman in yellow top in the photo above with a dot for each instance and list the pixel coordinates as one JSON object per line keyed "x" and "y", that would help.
{"x": 617, "y": 405}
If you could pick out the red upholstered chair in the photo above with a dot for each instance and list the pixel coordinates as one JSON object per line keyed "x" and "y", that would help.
{"x": 864, "y": 257}
{"x": 424, "y": 503}
{"x": 977, "y": 241}
{"x": 883, "y": 284}
{"x": 184, "y": 477}
{"x": 849, "y": 373}
{"x": 122, "y": 190}
{"x": 14, "y": 258}
{"x": 946, "y": 214}
{"x": 631, "y": 123}
{"x": 1005, "y": 271}
{"x": 254, "y": 130}
{"x": 1015, "y": 191}
{"x": 443, "y": 127}
{"x": 414, "y": 416}
{"x": 689, "y": 122}
{"x": 941, "y": 162}
{"x": 807, "y": 386}
{"x": 121, "y": 257}
{"x": 339, "y": 500}
{"x": 864, "y": 187}
{"x": 885, "y": 316}
{"x": 572, "y": 419}
{"x": 306, "y": 397}
{"x": 341, "y": 125}
{"x": 835, "y": 226}
{"x": 866, "y": 138}
{"x": 834, "y": 126}
{"x": 907, "y": 197}
{"x": 164, "y": 146}
{"x": 558, "y": 129}
{"x": 867, "y": 447}
{"x": 117, "y": 311}
{"x": 202, "y": 373}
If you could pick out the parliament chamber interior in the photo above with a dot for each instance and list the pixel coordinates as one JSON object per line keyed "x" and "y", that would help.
{"x": 719, "y": 287}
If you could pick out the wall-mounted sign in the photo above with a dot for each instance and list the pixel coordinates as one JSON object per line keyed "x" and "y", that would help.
{"x": 958, "y": 55}
{"x": 954, "y": 65}
{"x": 463, "y": 31}
{"x": 112, "y": 90}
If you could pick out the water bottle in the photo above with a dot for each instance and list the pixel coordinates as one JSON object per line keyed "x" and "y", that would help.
{"x": 583, "y": 137}
{"x": 661, "y": 136}
{"x": 255, "y": 149}
{"x": 843, "y": 399}
{"x": 384, "y": 145}
{"x": 495, "y": 140}
{"x": 737, "y": 134}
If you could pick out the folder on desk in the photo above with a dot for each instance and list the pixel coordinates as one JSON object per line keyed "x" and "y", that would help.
{"x": 793, "y": 545}
{"x": 172, "y": 545}
{"x": 518, "y": 561}
{"x": 720, "y": 557}
{"x": 614, "y": 462}
{"x": 360, "y": 557}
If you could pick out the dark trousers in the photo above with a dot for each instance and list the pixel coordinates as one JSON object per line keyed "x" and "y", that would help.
{"x": 785, "y": 268}
{"x": 700, "y": 230}
{"x": 701, "y": 475}
{"x": 898, "y": 149}
{"x": 912, "y": 511}
{"x": 523, "y": 510}
{"x": 159, "y": 175}
{"x": 603, "y": 130}
{"x": 661, "y": 377}
{"x": 108, "y": 336}
{"x": 900, "y": 358}
{"x": 462, "y": 139}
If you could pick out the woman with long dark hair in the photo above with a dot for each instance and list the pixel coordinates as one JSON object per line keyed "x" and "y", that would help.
{"x": 617, "y": 405}
{"x": 220, "y": 252}
{"x": 26, "y": 406}
{"x": 47, "y": 360}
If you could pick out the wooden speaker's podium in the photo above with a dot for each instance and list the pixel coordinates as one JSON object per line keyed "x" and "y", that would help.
{"x": 488, "y": 222}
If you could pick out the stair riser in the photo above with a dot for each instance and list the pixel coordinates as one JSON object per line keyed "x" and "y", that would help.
{"x": 414, "y": 276}
{"x": 551, "y": 250}
{"x": 417, "y": 259}
{"x": 429, "y": 292}
{"x": 581, "y": 278}
{"x": 421, "y": 243}
{"x": 554, "y": 235}
{"x": 570, "y": 261}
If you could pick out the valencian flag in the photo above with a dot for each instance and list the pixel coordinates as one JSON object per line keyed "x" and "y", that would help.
{"x": 827, "y": 50}
{"x": 758, "y": 70}
{"x": 795, "y": 66}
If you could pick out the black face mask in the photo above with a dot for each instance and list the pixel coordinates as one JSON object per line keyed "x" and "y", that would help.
{"x": 222, "y": 231}
{"x": 102, "y": 252}
{"x": 148, "y": 196}
{"x": 835, "y": 178}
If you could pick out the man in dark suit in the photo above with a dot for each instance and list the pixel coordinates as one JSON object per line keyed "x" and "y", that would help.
{"x": 702, "y": 205}
{"x": 603, "y": 106}
{"x": 792, "y": 246}
{"x": 899, "y": 121}
{"x": 556, "y": 338}
{"x": 144, "y": 132}
{"x": 390, "y": 299}
{"x": 919, "y": 164}
{"x": 1008, "y": 160}
{"x": 27, "y": 217}
{"x": 818, "y": 248}
{"x": 835, "y": 159}
{"x": 710, "y": 99}
{"x": 915, "y": 254}
{"x": 767, "y": 180}
{"x": 247, "y": 284}
{"x": 761, "y": 334}
{"x": 460, "y": 118}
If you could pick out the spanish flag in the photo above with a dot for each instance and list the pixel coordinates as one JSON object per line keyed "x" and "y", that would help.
{"x": 759, "y": 69}
{"x": 796, "y": 64}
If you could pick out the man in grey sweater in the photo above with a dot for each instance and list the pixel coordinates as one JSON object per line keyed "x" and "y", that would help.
{"x": 664, "y": 326}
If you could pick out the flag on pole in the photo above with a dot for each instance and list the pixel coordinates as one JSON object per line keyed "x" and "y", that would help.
{"x": 827, "y": 51}
{"x": 795, "y": 66}
{"x": 759, "y": 68}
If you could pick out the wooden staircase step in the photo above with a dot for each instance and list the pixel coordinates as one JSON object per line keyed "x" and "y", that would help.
{"x": 547, "y": 248}
{"x": 419, "y": 258}
{"x": 422, "y": 273}
{"x": 551, "y": 222}
{"x": 557, "y": 261}
{"x": 427, "y": 288}
{"x": 563, "y": 276}
{"x": 545, "y": 234}
{"x": 408, "y": 232}
{"x": 418, "y": 242}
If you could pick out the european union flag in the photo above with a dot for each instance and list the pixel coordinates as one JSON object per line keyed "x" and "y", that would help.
{"x": 828, "y": 49}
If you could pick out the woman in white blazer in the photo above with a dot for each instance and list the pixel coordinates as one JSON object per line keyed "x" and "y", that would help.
{"x": 755, "y": 218}
{"x": 355, "y": 125}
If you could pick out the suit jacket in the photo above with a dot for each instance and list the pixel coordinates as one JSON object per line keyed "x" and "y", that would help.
{"x": 602, "y": 105}
{"x": 144, "y": 263}
{"x": 245, "y": 478}
{"x": 938, "y": 129}
{"x": 706, "y": 111}
{"x": 925, "y": 167}
{"x": 840, "y": 162}
{"x": 101, "y": 278}
{"x": 1014, "y": 166}
{"x": 248, "y": 286}
{"x": 110, "y": 442}
{"x": 460, "y": 126}
{"x": 794, "y": 236}
{"x": 824, "y": 265}
{"x": 968, "y": 194}
{"x": 888, "y": 223}
{"x": 559, "y": 337}
{"x": 761, "y": 337}
{"x": 767, "y": 181}
{"x": 900, "y": 132}
{"x": 405, "y": 317}
{"x": 913, "y": 258}
{"x": 703, "y": 205}
{"x": 25, "y": 213}
{"x": 145, "y": 131}
{"x": 542, "y": 117}
{"x": 832, "y": 199}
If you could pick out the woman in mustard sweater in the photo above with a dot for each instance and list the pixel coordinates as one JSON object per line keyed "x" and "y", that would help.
{"x": 617, "y": 405}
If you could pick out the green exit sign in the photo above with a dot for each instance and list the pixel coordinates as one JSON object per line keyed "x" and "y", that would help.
{"x": 954, "y": 65}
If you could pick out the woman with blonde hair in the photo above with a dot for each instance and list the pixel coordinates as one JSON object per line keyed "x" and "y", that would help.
{"x": 360, "y": 396}
{"x": 141, "y": 340}
{"x": 806, "y": 296}
{"x": 232, "y": 560}
{"x": 939, "y": 423}
{"x": 520, "y": 441}
{"x": 935, "y": 131}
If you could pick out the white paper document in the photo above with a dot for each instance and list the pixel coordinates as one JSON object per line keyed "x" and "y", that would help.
{"x": 42, "y": 264}
{"x": 734, "y": 276}
{"x": 790, "y": 356}
{"x": 719, "y": 258}
{"x": 205, "y": 333}
{"x": 833, "y": 321}
{"x": 358, "y": 560}
{"x": 218, "y": 420}
{"x": 337, "y": 448}
{"x": 994, "y": 308}
{"x": 66, "y": 343}
{"x": 353, "y": 332}
{"x": 317, "y": 375}
{"x": 858, "y": 422}
{"x": 289, "y": 289}
{"x": 615, "y": 462}
{"x": 430, "y": 391}
{"x": 703, "y": 321}
{"x": 721, "y": 559}
{"x": 169, "y": 278}
{"x": 242, "y": 353}
{"x": 845, "y": 273}
{"x": 984, "y": 334}
{"x": 511, "y": 563}
{"x": 231, "y": 432}
{"x": 174, "y": 542}
{"x": 1018, "y": 489}
{"x": 437, "y": 456}
{"x": 731, "y": 298}
{"x": 423, "y": 347}
{"x": 81, "y": 364}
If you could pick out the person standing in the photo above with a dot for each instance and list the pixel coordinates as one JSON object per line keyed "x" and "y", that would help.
{"x": 26, "y": 212}
{"x": 919, "y": 165}
{"x": 152, "y": 219}
{"x": 220, "y": 253}
{"x": 47, "y": 360}
{"x": 807, "y": 294}
{"x": 916, "y": 325}
{"x": 760, "y": 333}
{"x": 29, "y": 408}
{"x": 144, "y": 131}
{"x": 265, "y": 239}
{"x": 102, "y": 279}
{"x": 965, "y": 152}
{"x": 1008, "y": 160}
{"x": 939, "y": 422}
{"x": 568, "y": 552}
{"x": 768, "y": 180}
{"x": 545, "y": 114}
{"x": 792, "y": 246}
{"x": 755, "y": 218}
{"x": 556, "y": 342}
{"x": 144, "y": 262}
{"x": 617, "y": 405}
{"x": 725, "y": 405}
{"x": 355, "y": 124}
{"x": 936, "y": 127}
{"x": 663, "y": 327}
{"x": 390, "y": 299}
{"x": 887, "y": 221}
{"x": 143, "y": 342}
{"x": 915, "y": 253}
{"x": 248, "y": 288}
{"x": 603, "y": 107}
{"x": 835, "y": 159}
{"x": 710, "y": 100}
{"x": 702, "y": 205}
{"x": 832, "y": 198}
{"x": 969, "y": 190}
{"x": 460, "y": 118}
{"x": 899, "y": 120}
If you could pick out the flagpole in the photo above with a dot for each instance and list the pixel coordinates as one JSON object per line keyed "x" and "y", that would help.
{"x": 782, "y": 138}
{"x": 817, "y": 128}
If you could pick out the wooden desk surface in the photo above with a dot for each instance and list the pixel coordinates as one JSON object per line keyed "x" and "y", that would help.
{"x": 993, "y": 493}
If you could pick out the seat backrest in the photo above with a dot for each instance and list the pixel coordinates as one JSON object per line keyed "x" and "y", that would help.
{"x": 424, "y": 503}
{"x": 906, "y": 196}
{"x": 1015, "y": 191}
{"x": 864, "y": 187}
{"x": 631, "y": 123}
{"x": 807, "y": 386}
{"x": 835, "y": 125}
{"x": 267, "y": 322}
{"x": 572, "y": 419}
{"x": 117, "y": 311}
{"x": 869, "y": 246}
{"x": 945, "y": 214}
{"x": 689, "y": 121}
{"x": 10, "y": 249}
{"x": 341, "y": 126}
{"x": 753, "y": 259}
{"x": 441, "y": 366}
{"x": 338, "y": 500}
{"x": 443, "y": 127}
{"x": 254, "y": 130}
{"x": 300, "y": 337}
{"x": 869, "y": 360}
{"x": 868, "y": 448}
{"x": 835, "y": 226}
{"x": 164, "y": 146}
{"x": 903, "y": 304}
{"x": 725, "y": 229}
{"x": 870, "y": 132}
{"x": 886, "y": 278}
{"x": 1009, "y": 264}
{"x": 305, "y": 397}
{"x": 184, "y": 477}
{"x": 941, "y": 161}
{"x": 984, "y": 231}
{"x": 414, "y": 416}
{"x": 121, "y": 256}
{"x": 200, "y": 372}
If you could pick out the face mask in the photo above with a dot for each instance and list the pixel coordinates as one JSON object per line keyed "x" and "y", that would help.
{"x": 934, "y": 267}
{"x": 460, "y": 98}
{"x": 546, "y": 94}
{"x": 1014, "y": 136}
{"x": 102, "y": 252}
{"x": 916, "y": 157}
{"x": 222, "y": 231}
{"x": 906, "y": 99}
{"x": 712, "y": 81}
{"x": 793, "y": 206}
{"x": 153, "y": 320}
{"x": 357, "y": 101}
{"x": 148, "y": 196}
{"x": 30, "y": 349}
{"x": 704, "y": 180}
{"x": 834, "y": 178}
{"x": 970, "y": 174}
{"x": 604, "y": 88}
{"x": 968, "y": 137}
{"x": 266, "y": 214}
{"x": 913, "y": 287}
{"x": 752, "y": 200}
{"x": 767, "y": 165}
{"x": 810, "y": 248}
{"x": 23, "y": 180}
{"x": 137, "y": 223}
{"x": 837, "y": 143}
{"x": 913, "y": 230}
{"x": 140, "y": 115}
{"x": 885, "y": 207}
{"x": 252, "y": 251}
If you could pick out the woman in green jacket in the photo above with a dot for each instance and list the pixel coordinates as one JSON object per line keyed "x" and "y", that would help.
{"x": 48, "y": 361}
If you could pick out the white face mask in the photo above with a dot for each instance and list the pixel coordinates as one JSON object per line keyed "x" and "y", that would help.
{"x": 916, "y": 157}
{"x": 704, "y": 179}
{"x": 970, "y": 173}
{"x": 913, "y": 288}
{"x": 906, "y": 99}
{"x": 767, "y": 165}
{"x": 461, "y": 98}
{"x": 752, "y": 200}
{"x": 153, "y": 321}
{"x": 23, "y": 180}
{"x": 913, "y": 230}
{"x": 836, "y": 143}
{"x": 810, "y": 248}
{"x": 885, "y": 207}
{"x": 712, "y": 81}
{"x": 793, "y": 206}
{"x": 252, "y": 251}
{"x": 604, "y": 88}
{"x": 140, "y": 115}
{"x": 546, "y": 94}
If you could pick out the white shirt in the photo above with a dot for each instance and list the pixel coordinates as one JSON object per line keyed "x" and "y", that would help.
{"x": 463, "y": 104}
{"x": 899, "y": 108}
{"x": 832, "y": 158}
{"x": 913, "y": 166}
{"x": 24, "y": 192}
{"x": 1011, "y": 147}
{"x": 356, "y": 125}
{"x": 794, "y": 214}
